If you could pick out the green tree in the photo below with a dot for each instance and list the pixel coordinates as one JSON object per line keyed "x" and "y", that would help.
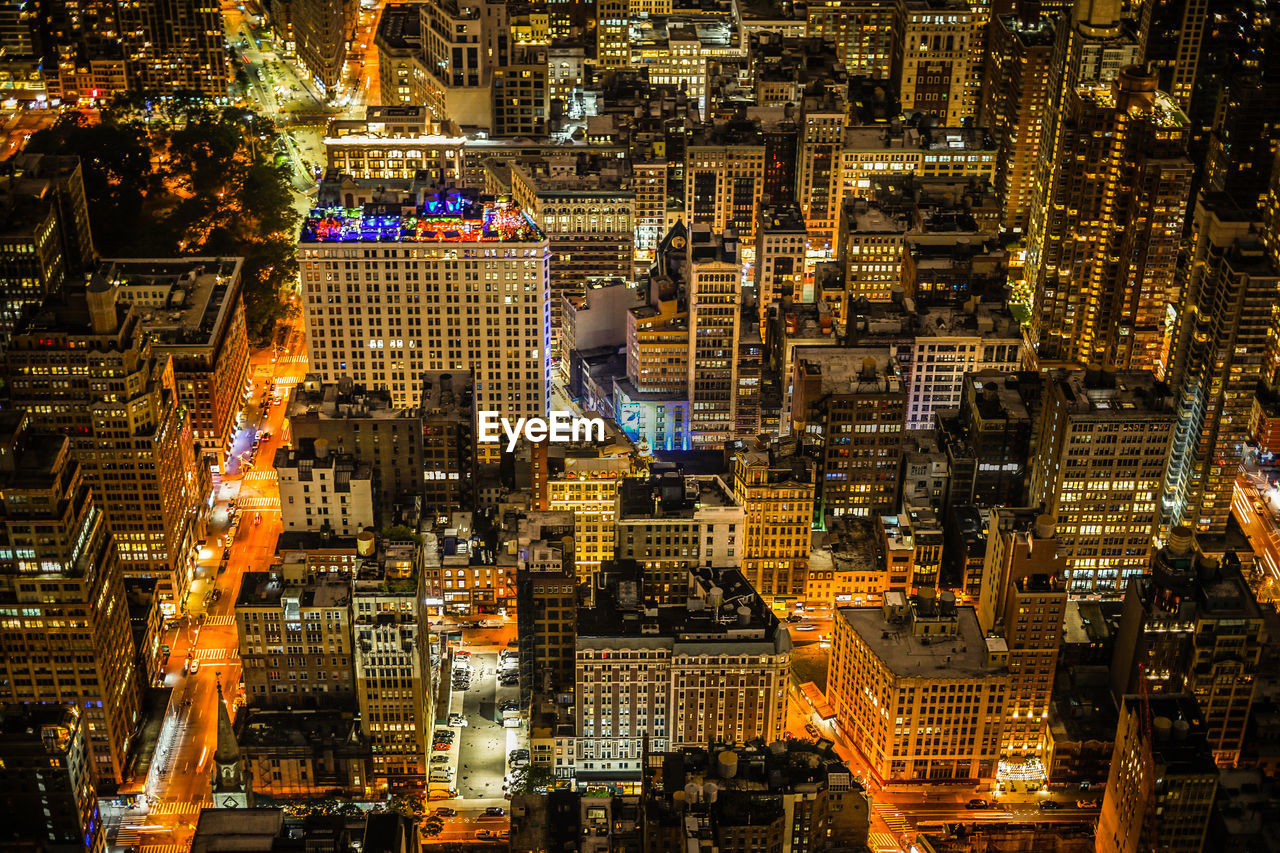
{"x": 531, "y": 779}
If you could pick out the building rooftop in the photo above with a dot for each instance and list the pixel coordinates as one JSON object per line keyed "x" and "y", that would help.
{"x": 1098, "y": 393}
{"x": 851, "y": 370}
{"x": 344, "y": 399}
{"x": 297, "y": 727}
{"x": 908, "y": 655}
{"x": 268, "y": 589}
{"x": 1180, "y": 746}
{"x": 669, "y": 493}
{"x": 447, "y": 216}
{"x": 181, "y": 300}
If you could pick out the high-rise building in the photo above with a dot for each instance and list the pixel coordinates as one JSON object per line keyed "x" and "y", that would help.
{"x": 990, "y": 439}
{"x": 129, "y": 429}
{"x": 819, "y": 169}
{"x": 320, "y": 36}
{"x": 438, "y": 312}
{"x": 724, "y": 176}
{"x": 175, "y": 46}
{"x": 775, "y": 486}
{"x": 1015, "y": 99}
{"x": 1219, "y": 358}
{"x": 1162, "y": 781}
{"x": 520, "y": 94}
{"x": 359, "y": 146}
{"x": 294, "y": 634}
{"x": 584, "y": 479}
{"x": 1023, "y": 599}
{"x": 59, "y": 559}
{"x": 850, "y": 402}
{"x": 862, "y": 30}
{"x": 923, "y": 661}
{"x": 395, "y": 685}
{"x": 871, "y": 238}
{"x": 781, "y": 240}
{"x": 66, "y": 175}
{"x": 936, "y": 58}
{"x": 1116, "y": 206}
{"x": 1100, "y": 462}
{"x": 613, "y": 37}
{"x": 546, "y": 602}
{"x": 715, "y": 296}
{"x": 670, "y": 523}
{"x": 33, "y": 261}
{"x": 323, "y": 490}
{"x": 1194, "y": 626}
{"x": 711, "y": 668}
{"x": 205, "y": 336}
{"x": 46, "y": 780}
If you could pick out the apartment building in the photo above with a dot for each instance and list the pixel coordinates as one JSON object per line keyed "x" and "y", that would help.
{"x": 323, "y": 491}
{"x": 775, "y": 485}
{"x": 397, "y": 142}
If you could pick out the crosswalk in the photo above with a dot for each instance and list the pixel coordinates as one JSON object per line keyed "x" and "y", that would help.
{"x": 177, "y": 808}
{"x": 893, "y": 818}
{"x": 267, "y": 474}
{"x": 883, "y": 842}
{"x": 259, "y": 503}
{"x": 163, "y": 848}
{"x": 218, "y": 621}
{"x": 128, "y": 832}
{"x": 216, "y": 654}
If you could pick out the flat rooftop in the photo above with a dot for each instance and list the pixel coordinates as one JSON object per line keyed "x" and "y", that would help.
{"x": 961, "y": 656}
{"x": 450, "y": 219}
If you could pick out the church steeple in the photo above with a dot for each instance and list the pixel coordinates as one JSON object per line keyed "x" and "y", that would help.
{"x": 231, "y": 789}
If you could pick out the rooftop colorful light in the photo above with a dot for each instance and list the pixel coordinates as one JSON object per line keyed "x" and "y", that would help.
{"x": 430, "y": 223}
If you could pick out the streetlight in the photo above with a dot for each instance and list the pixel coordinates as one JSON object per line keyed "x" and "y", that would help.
{"x": 253, "y": 140}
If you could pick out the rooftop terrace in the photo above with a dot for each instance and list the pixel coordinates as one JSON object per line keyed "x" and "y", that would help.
{"x": 448, "y": 218}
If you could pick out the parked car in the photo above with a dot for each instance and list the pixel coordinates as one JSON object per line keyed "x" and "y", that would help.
{"x": 509, "y": 705}
{"x": 495, "y": 811}
{"x": 482, "y": 834}
{"x": 976, "y": 804}
{"x": 795, "y": 618}
{"x": 226, "y": 553}
{"x": 439, "y": 759}
{"x": 195, "y": 666}
{"x": 1050, "y": 804}
{"x": 812, "y": 730}
{"x": 445, "y": 811}
{"x": 457, "y": 720}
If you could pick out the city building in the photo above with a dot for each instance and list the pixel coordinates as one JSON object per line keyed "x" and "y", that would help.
{"x": 47, "y": 780}
{"x": 670, "y": 523}
{"x": 58, "y": 558}
{"x": 419, "y": 327}
{"x": 1162, "y": 782}
{"x": 33, "y": 260}
{"x": 850, "y": 403}
{"x": 175, "y": 46}
{"x": 294, "y": 636}
{"x": 724, "y": 176}
{"x": 321, "y": 32}
{"x": 924, "y": 662}
{"x": 193, "y": 310}
{"x": 871, "y": 240}
{"x": 584, "y": 479}
{"x": 872, "y": 152}
{"x": 521, "y": 94}
{"x": 936, "y": 57}
{"x": 1099, "y": 466}
{"x": 790, "y": 797}
{"x": 989, "y": 440}
{"x": 847, "y": 565}
{"x": 781, "y": 240}
{"x": 775, "y": 486}
{"x": 546, "y": 603}
{"x": 1102, "y": 287}
{"x": 863, "y": 32}
{"x": 713, "y": 669}
{"x": 129, "y": 428}
{"x": 303, "y": 753}
{"x": 1219, "y": 358}
{"x": 321, "y": 490}
{"x": 393, "y": 674}
{"x": 1194, "y": 626}
{"x": 395, "y": 142}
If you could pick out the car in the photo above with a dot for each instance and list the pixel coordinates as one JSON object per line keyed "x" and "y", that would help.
{"x": 976, "y": 804}
{"x": 226, "y": 553}
{"x": 464, "y": 655}
{"x": 439, "y": 759}
{"x": 1050, "y": 804}
{"x": 795, "y": 617}
{"x": 195, "y": 665}
{"x": 509, "y": 705}
{"x": 812, "y": 730}
{"x": 445, "y": 811}
{"x": 1259, "y": 507}
{"x": 457, "y": 720}
{"x": 1086, "y": 804}
{"x": 495, "y": 811}
{"x": 807, "y": 627}
{"x": 449, "y": 733}
{"x": 482, "y": 834}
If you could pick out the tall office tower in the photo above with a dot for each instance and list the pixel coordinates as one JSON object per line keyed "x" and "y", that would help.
{"x": 775, "y": 486}
{"x": 275, "y": 612}
{"x": 1023, "y": 599}
{"x": 1240, "y": 147}
{"x": 1014, "y": 104}
{"x": 871, "y": 239}
{"x": 795, "y": 799}
{"x": 393, "y": 675}
{"x": 129, "y": 429}
{"x": 59, "y": 562}
{"x": 521, "y": 102}
{"x": 613, "y": 33}
{"x": 851, "y": 403}
{"x": 990, "y": 439}
{"x": 585, "y": 480}
{"x": 65, "y": 174}
{"x": 33, "y": 261}
{"x": 781, "y": 239}
{"x": 862, "y": 31}
{"x": 781, "y": 148}
{"x": 546, "y": 603}
{"x": 174, "y": 46}
{"x": 1100, "y": 463}
{"x": 715, "y": 294}
{"x": 1219, "y": 358}
{"x": 926, "y": 662}
{"x": 320, "y": 34}
{"x": 670, "y": 523}
{"x": 724, "y": 176}
{"x": 1162, "y": 781}
{"x": 711, "y": 668}
{"x": 1116, "y": 206}
{"x": 195, "y": 315}
{"x": 47, "y": 780}
{"x": 649, "y": 175}
{"x": 1171, "y": 33}
{"x": 1194, "y": 626}
{"x": 458, "y": 266}
{"x": 936, "y": 59}
{"x": 819, "y": 175}
{"x": 747, "y": 421}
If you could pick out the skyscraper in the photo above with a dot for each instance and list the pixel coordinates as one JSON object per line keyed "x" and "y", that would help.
{"x": 320, "y": 33}
{"x": 775, "y": 486}
{"x": 1219, "y": 357}
{"x": 58, "y": 559}
{"x": 715, "y": 293}
{"x": 1115, "y": 208}
{"x": 460, "y": 285}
